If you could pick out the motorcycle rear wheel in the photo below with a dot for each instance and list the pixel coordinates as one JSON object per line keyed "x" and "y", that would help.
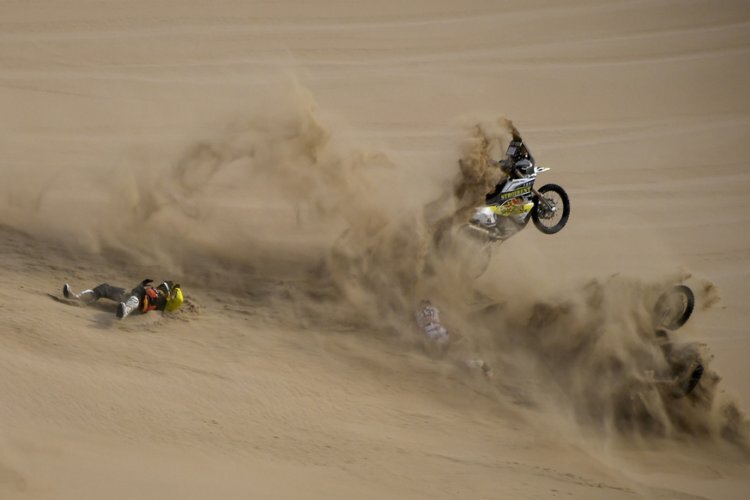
{"x": 545, "y": 220}
{"x": 688, "y": 380}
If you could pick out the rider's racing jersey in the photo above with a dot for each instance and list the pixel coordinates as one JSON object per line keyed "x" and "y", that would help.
{"x": 428, "y": 320}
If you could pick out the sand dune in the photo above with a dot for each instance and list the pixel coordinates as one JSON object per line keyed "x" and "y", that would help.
{"x": 286, "y": 163}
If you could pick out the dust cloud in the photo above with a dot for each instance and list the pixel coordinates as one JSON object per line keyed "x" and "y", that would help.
{"x": 282, "y": 205}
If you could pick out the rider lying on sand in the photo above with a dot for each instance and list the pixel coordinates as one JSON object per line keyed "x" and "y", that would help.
{"x": 143, "y": 298}
{"x": 438, "y": 339}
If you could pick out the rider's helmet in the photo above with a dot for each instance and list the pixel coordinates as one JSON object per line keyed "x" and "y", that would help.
{"x": 174, "y": 295}
{"x": 174, "y": 299}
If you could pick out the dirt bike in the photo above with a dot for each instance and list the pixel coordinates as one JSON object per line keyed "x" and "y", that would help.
{"x": 515, "y": 202}
{"x": 647, "y": 403}
{"x": 672, "y": 310}
{"x": 512, "y": 204}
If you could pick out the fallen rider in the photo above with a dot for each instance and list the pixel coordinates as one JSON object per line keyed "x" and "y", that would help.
{"x": 143, "y": 298}
{"x": 438, "y": 338}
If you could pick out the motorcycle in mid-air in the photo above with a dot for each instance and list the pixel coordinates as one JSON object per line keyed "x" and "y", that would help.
{"x": 672, "y": 310}
{"x": 515, "y": 201}
{"x": 511, "y": 206}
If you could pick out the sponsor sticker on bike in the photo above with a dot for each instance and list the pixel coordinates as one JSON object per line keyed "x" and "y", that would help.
{"x": 515, "y": 193}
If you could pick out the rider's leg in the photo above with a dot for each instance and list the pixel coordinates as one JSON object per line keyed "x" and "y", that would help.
{"x": 110, "y": 292}
{"x": 125, "y": 308}
{"x": 85, "y": 296}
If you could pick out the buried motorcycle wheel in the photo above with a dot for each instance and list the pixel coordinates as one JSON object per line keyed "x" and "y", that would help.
{"x": 674, "y": 307}
{"x": 689, "y": 380}
{"x": 553, "y": 219}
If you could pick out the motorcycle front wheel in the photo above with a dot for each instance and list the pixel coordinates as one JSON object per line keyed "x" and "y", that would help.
{"x": 674, "y": 307}
{"x": 552, "y": 219}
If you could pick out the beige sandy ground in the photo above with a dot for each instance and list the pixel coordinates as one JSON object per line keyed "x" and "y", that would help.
{"x": 109, "y": 110}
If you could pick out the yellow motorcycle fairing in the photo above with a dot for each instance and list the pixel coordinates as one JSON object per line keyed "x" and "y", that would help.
{"x": 512, "y": 207}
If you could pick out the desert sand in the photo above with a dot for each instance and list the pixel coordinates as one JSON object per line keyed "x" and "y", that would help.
{"x": 284, "y": 161}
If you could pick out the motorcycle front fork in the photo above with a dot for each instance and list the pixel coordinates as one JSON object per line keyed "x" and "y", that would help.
{"x": 547, "y": 205}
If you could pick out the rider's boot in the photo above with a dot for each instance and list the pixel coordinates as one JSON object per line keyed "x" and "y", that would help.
{"x": 127, "y": 307}
{"x": 85, "y": 296}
